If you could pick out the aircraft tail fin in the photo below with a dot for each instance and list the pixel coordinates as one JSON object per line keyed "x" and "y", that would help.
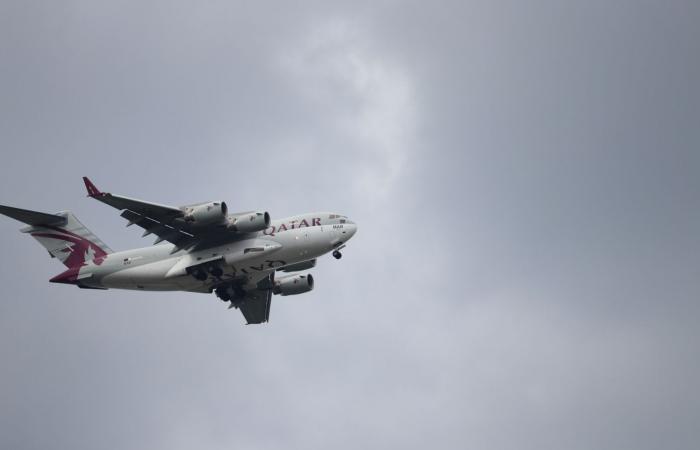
{"x": 62, "y": 234}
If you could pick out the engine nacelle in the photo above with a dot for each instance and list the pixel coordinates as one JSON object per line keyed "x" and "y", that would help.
{"x": 249, "y": 222}
{"x": 293, "y": 285}
{"x": 206, "y": 213}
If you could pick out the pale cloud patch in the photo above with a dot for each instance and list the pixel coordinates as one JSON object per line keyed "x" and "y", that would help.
{"x": 367, "y": 99}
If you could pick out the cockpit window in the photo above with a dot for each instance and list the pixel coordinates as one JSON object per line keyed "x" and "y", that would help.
{"x": 342, "y": 220}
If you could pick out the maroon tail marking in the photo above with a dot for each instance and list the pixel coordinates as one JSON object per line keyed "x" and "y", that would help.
{"x": 80, "y": 248}
{"x": 70, "y": 276}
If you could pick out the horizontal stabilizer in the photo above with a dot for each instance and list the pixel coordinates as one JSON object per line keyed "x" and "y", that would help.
{"x": 32, "y": 217}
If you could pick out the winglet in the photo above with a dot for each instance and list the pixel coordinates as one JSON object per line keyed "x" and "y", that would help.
{"x": 91, "y": 188}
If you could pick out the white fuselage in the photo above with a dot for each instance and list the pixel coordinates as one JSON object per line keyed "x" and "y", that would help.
{"x": 255, "y": 255}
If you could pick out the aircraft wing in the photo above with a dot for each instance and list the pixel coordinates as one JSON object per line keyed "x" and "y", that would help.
{"x": 256, "y": 306}
{"x": 166, "y": 222}
{"x": 141, "y": 207}
{"x": 166, "y": 230}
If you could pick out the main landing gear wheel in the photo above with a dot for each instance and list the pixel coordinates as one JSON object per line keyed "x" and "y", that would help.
{"x": 337, "y": 254}
{"x": 200, "y": 275}
{"x": 222, "y": 293}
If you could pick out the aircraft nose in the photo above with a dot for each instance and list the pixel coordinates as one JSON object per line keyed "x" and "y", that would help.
{"x": 351, "y": 228}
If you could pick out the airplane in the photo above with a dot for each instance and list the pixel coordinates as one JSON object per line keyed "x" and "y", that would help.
{"x": 202, "y": 249}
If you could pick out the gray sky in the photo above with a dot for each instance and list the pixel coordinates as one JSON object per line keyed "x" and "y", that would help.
{"x": 525, "y": 176}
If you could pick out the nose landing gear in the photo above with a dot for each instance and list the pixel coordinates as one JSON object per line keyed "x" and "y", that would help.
{"x": 338, "y": 247}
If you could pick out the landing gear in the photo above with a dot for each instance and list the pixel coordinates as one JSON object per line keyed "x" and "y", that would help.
{"x": 202, "y": 273}
{"x": 223, "y": 293}
{"x": 337, "y": 254}
{"x": 230, "y": 293}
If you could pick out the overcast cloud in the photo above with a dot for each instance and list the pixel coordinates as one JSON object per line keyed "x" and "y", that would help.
{"x": 525, "y": 176}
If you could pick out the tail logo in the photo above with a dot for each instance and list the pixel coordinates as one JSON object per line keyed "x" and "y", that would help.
{"x": 77, "y": 250}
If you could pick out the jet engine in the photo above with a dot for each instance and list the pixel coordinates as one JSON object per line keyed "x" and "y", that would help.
{"x": 293, "y": 285}
{"x": 249, "y": 222}
{"x": 206, "y": 213}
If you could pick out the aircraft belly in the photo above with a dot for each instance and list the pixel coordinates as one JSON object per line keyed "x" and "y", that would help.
{"x": 145, "y": 277}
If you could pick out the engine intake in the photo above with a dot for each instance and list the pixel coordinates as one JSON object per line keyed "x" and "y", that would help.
{"x": 293, "y": 285}
{"x": 249, "y": 222}
{"x": 206, "y": 213}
